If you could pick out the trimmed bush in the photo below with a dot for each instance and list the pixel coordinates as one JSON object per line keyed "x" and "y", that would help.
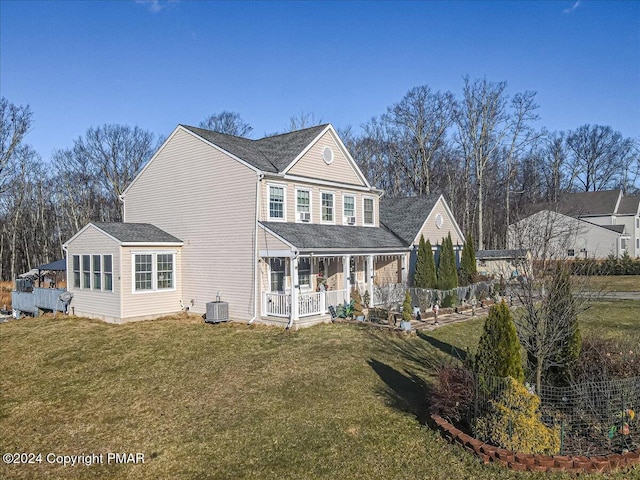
{"x": 514, "y": 423}
{"x": 425, "y": 276}
{"x": 447, "y": 271}
{"x": 357, "y": 303}
{"x": 407, "y": 310}
{"x": 499, "y": 348}
{"x": 468, "y": 268}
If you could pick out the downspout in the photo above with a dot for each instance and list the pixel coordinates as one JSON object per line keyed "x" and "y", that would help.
{"x": 255, "y": 251}
{"x": 294, "y": 276}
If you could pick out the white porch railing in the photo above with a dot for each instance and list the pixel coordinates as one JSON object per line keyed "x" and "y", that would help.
{"x": 311, "y": 303}
{"x": 276, "y": 304}
{"x": 335, "y": 297}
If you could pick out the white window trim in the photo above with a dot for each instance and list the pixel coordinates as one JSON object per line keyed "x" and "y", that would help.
{"x": 154, "y": 271}
{"x": 373, "y": 213}
{"x": 304, "y": 189}
{"x": 284, "y": 280}
{"x": 73, "y": 272}
{"x": 306, "y": 288}
{"x": 284, "y": 202}
{"x": 355, "y": 208}
{"x": 91, "y": 287}
{"x": 333, "y": 194}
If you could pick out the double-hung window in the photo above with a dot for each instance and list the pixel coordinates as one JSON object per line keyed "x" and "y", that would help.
{"x": 76, "y": 271}
{"x": 349, "y": 209}
{"x": 154, "y": 271}
{"x": 276, "y": 202}
{"x": 107, "y": 272}
{"x": 367, "y": 210}
{"x": 276, "y": 266}
{"x": 327, "y": 207}
{"x": 303, "y": 205}
{"x": 143, "y": 272}
{"x": 86, "y": 271}
{"x": 164, "y": 271}
{"x": 304, "y": 272}
{"x": 97, "y": 272}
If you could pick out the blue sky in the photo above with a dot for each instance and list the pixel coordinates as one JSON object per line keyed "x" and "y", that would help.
{"x": 155, "y": 64}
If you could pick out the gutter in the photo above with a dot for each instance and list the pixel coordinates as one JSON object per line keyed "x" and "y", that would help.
{"x": 255, "y": 251}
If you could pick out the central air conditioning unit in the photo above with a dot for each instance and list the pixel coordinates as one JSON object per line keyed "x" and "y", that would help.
{"x": 351, "y": 220}
{"x": 217, "y": 312}
{"x": 304, "y": 216}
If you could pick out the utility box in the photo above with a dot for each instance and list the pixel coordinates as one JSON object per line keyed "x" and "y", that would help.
{"x": 217, "y": 312}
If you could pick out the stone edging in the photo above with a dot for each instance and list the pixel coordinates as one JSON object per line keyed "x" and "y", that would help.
{"x": 534, "y": 463}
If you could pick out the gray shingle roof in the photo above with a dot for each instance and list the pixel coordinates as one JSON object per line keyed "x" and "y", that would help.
{"x": 309, "y": 236}
{"x": 136, "y": 232}
{"x": 269, "y": 154}
{"x": 580, "y": 204}
{"x": 495, "y": 254}
{"x": 405, "y": 216}
{"x": 629, "y": 205}
{"x": 590, "y": 203}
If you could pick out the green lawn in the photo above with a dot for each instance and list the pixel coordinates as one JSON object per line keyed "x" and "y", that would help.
{"x": 621, "y": 283}
{"x": 231, "y": 401}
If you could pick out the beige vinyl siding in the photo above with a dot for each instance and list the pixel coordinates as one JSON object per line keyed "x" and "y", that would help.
{"x": 266, "y": 241}
{"x": 316, "y": 211}
{"x": 312, "y": 165}
{"x": 206, "y": 199}
{"x": 149, "y": 304}
{"x": 434, "y": 234}
{"x": 564, "y": 233}
{"x": 89, "y": 302}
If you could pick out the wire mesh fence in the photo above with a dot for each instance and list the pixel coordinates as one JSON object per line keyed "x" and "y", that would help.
{"x": 592, "y": 418}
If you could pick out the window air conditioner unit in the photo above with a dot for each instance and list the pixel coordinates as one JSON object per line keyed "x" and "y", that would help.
{"x": 351, "y": 220}
{"x": 304, "y": 216}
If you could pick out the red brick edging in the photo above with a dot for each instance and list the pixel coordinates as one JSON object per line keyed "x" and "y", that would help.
{"x": 534, "y": 463}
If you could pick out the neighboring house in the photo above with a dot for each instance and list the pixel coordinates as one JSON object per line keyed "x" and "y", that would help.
{"x": 584, "y": 224}
{"x": 280, "y": 228}
{"x": 503, "y": 263}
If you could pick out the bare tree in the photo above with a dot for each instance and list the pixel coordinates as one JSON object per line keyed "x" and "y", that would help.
{"x": 522, "y": 136}
{"x": 15, "y": 122}
{"x": 481, "y": 120}
{"x": 112, "y": 156}
{"x": 598, "y": 157}
{"x": 418, "y": 125}
{"x": 548, "y": 323}
{"x": 554, "y": 164}
{"x": 303, "y": 120}
{"x": 229, "y": 123}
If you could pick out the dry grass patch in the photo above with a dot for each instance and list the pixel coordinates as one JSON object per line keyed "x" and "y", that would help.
{"x": 5, "y": 294}
{"x": 226, "y": 401}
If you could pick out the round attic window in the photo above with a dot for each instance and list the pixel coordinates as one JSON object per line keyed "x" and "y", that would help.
{"x": 327, "y": 155}
{"x": 439, "y": 220}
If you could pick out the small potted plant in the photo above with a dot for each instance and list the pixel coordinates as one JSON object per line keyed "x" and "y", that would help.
{"x": 405, "y": 324}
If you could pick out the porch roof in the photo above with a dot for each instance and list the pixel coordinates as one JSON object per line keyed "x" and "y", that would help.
{"x": 310, "y": 236}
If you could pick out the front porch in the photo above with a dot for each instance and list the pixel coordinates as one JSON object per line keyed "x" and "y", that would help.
{"x": 301, "y": 289}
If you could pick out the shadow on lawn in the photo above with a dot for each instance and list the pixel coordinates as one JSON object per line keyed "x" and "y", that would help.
{"x": 408, "y": 393}
{"x": 444, "y": 347}
{"x": 406, "y": 365}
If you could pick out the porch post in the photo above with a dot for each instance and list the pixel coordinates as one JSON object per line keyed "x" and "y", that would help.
{"x": 405, "y": 270}
{"x": 346, "y": 267}
{"x": 295, "y": 289}
{"x": 369, "y": 280}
